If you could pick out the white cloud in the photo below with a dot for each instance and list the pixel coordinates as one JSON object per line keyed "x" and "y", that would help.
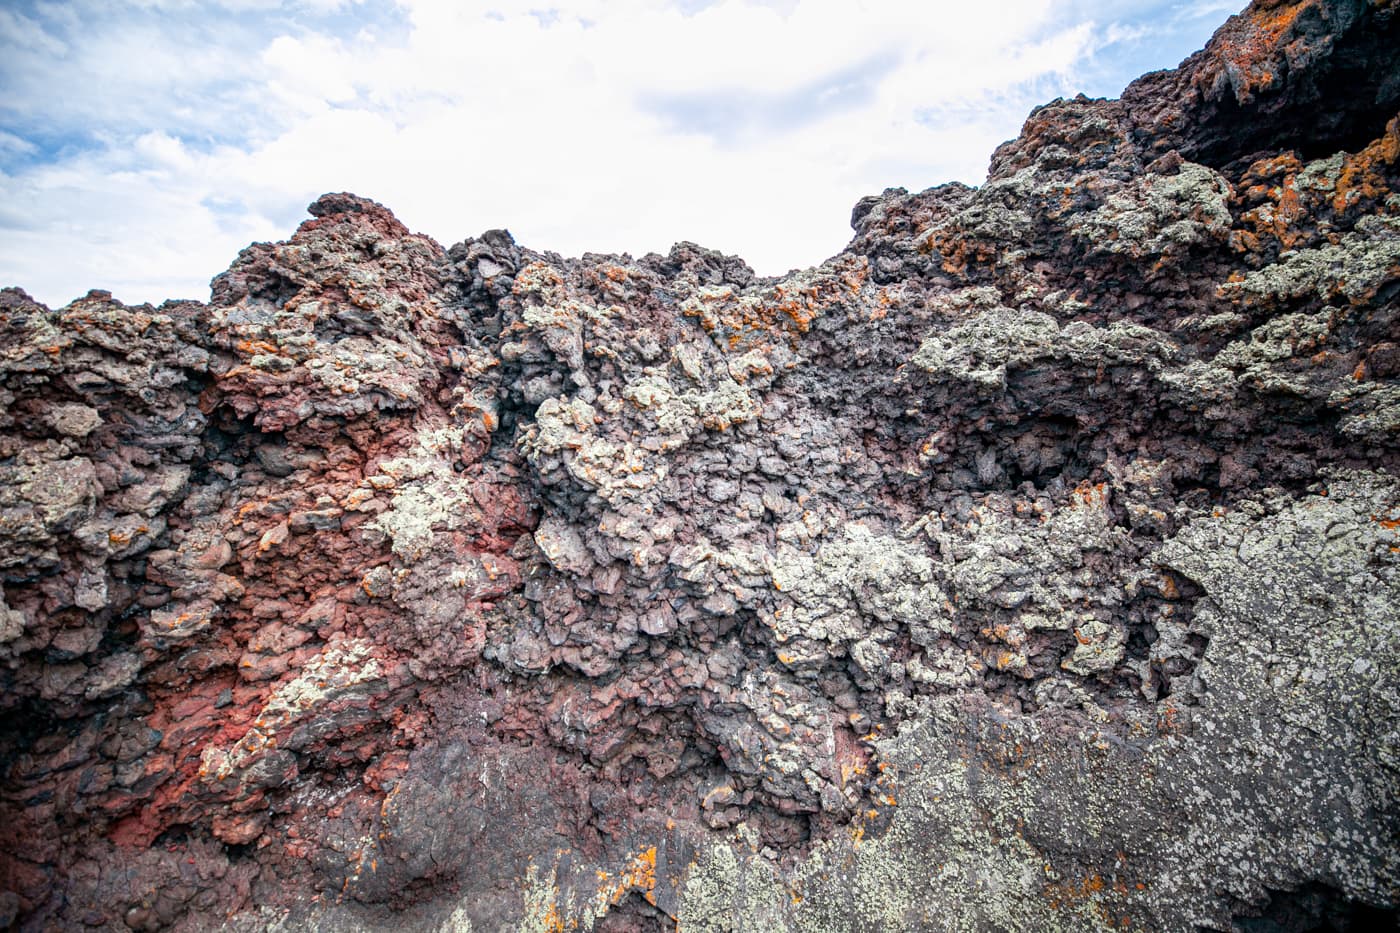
{"x": 17, "y": 144}
{"x": 605, "y": 126}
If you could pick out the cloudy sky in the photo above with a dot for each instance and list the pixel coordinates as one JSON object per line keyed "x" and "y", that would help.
{"x": 143, "y": 143}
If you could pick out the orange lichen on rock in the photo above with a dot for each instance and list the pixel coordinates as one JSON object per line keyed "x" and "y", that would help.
{"x": 1070, "y": 893}
{"x": 1252, "y": 55}
{"x": 639, "y": 875}
{"x": 1363, "y": 175}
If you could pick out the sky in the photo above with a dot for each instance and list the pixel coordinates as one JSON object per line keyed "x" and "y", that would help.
{"x": 144, "y": 142}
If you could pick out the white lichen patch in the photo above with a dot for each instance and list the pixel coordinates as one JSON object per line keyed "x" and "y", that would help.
{"x": 1158, "y": 213}
{"x": 342, "y": 668}
{"x": 428, "y": 495}
{"x": 983, "y": 349}
{"x": 858, "y": 580}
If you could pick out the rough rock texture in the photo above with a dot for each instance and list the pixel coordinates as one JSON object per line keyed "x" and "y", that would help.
{"x": 1034, "y": 564}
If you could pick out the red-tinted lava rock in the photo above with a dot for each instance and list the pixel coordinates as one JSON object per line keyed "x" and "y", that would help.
{"x": 1043, "y": 543}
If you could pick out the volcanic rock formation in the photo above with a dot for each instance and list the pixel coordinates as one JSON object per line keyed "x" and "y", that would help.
{"x": 1033, "y": 564}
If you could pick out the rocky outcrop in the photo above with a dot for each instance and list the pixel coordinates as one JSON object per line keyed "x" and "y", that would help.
{"x": 1032, "y": 564}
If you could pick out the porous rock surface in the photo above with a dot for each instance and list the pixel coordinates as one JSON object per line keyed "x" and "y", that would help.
{"x": 1033, "y": 564}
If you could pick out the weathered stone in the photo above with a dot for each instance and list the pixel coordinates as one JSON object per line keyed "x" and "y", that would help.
{"x": 1029, "y": 565}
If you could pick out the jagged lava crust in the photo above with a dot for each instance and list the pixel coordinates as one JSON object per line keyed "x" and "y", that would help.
{"x": 1033, "y": 564}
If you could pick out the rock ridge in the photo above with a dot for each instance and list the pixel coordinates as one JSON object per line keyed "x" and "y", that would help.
{"x": 1032, "y": 564}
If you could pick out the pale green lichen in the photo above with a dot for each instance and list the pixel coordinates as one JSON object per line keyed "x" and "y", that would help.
{"x": 857, "y": 575}
{"x": 1362, "y": 260}
{"x": 987, "y": 819}
{"x": 1372, "y": 410}
{"x": 1158, "y": 213}
{"x": 428, "y": 495}
{"x": 984, "y": 348}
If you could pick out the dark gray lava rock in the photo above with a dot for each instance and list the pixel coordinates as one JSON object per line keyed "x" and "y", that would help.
{"x": 1033, "y": 564}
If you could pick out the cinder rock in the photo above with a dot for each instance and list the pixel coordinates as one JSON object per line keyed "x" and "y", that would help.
{"x": 1030, "y": 565}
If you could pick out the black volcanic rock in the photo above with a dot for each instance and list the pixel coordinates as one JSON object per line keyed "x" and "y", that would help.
{"x": 1033, "y": 564}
